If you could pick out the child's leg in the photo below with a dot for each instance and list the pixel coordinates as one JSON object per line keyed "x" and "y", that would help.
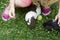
{"x": 46, "y": 6}
{"x": 47, "y": 3}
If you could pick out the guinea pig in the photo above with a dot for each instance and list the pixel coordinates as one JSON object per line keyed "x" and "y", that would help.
{"x": 51, "y": 24}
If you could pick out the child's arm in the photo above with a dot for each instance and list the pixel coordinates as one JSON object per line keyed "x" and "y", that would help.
{"x": 59, "y": 5}
{"x": 58, "y": 15}
{"x": 11, "y": 4}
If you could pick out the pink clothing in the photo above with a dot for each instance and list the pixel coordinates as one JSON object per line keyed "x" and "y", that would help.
{"x": 27, "y": 2}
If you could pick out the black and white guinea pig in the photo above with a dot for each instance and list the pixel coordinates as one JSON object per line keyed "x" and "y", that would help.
{"x": 51, "y": 24}
{"x": 32, "y": 14}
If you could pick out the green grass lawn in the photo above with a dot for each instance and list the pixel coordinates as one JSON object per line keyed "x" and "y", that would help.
{"x": 17, "y": 29}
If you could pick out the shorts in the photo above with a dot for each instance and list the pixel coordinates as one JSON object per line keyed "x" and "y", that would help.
{"x": 45, "y": 3}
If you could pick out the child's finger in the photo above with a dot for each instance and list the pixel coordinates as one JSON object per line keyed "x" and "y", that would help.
{"x": 59, "y": 22}
{"x": 55, "y": 18}
{"x": 13, "y": 13}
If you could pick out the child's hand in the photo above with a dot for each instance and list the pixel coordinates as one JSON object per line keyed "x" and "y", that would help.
{"x": 12, "y": 14}
{"x": 12, "y": 9}
{"x": 58, "y": 17}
